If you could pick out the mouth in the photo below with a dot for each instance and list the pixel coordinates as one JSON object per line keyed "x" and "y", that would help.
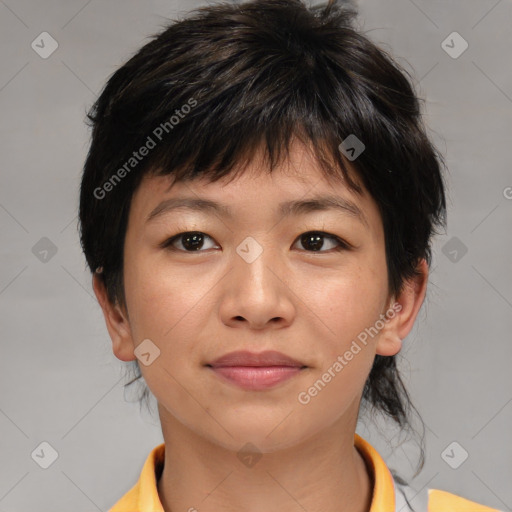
{"x": 256, "y": 372}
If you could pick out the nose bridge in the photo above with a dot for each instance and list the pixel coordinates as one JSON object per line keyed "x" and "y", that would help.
{"x": 255, "y": 259}
{"x": 259, "y": 274}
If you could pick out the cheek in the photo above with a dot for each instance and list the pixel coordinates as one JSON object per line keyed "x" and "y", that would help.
{"x": 162, "y": 299}
{"x": 164, "y": 308}
{"x": 347, "y": 304}
{"x": 348, "y": 308}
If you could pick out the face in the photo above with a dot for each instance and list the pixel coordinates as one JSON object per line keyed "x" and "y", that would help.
{"x": 305, "y": 282}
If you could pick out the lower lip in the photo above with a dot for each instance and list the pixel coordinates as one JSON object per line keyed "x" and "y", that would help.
{"x": 257, "y": 378}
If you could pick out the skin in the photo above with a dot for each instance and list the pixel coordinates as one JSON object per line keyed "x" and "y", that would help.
{"x": 198, "y": 305}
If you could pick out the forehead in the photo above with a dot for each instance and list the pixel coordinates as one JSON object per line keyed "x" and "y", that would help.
{"x": 295, "y": 186}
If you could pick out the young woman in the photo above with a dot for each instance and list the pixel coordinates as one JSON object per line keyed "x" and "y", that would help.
{"x": 257, "y": 207}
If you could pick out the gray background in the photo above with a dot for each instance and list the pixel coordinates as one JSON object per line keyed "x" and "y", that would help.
{"x": 59, "y": 381}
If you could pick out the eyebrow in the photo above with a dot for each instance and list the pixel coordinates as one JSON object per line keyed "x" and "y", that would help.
{"x": 288, "y": 208}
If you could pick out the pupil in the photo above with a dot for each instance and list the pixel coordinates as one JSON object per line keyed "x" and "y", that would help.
{"x": 195, "y": 239}
{"x": 315, "y": 239}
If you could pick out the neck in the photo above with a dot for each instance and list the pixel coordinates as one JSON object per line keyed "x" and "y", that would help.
{"x": 325, "y": 473}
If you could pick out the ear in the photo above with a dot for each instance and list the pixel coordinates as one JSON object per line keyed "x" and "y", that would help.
{"x": 117, "y": 322}
{"x": 402, "y": 312}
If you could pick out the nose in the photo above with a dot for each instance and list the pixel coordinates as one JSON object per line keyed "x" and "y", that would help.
{"x": 256, "y": 293}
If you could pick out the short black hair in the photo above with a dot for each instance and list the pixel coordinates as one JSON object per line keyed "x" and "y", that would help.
{"x": 208, "y": 91}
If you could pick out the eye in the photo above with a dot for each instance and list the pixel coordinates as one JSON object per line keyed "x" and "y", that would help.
{"x": 314, "y": 239}
{"x": 193, "y": 241}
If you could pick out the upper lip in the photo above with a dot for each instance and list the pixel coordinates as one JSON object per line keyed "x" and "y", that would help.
{"x": 246, "y": 358}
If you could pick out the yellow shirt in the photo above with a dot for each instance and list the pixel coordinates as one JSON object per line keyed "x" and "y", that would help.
{"x": 388, "y": 495}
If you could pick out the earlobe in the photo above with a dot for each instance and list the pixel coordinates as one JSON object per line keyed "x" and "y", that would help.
{"x": 389, "y": 344}
{"x": 404, "y": 310}
{"x": 116, "y": 321}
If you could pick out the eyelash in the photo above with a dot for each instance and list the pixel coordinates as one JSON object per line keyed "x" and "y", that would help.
{"x": 343, "y": 246}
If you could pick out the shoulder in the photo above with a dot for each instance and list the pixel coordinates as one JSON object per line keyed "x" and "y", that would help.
{"x": 435, "y": 500}
{"x": 441, "y": 501}
{"x": 129, "y": 501}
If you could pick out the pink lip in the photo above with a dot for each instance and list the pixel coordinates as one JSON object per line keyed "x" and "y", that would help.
{"x": 253, "y": 371}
